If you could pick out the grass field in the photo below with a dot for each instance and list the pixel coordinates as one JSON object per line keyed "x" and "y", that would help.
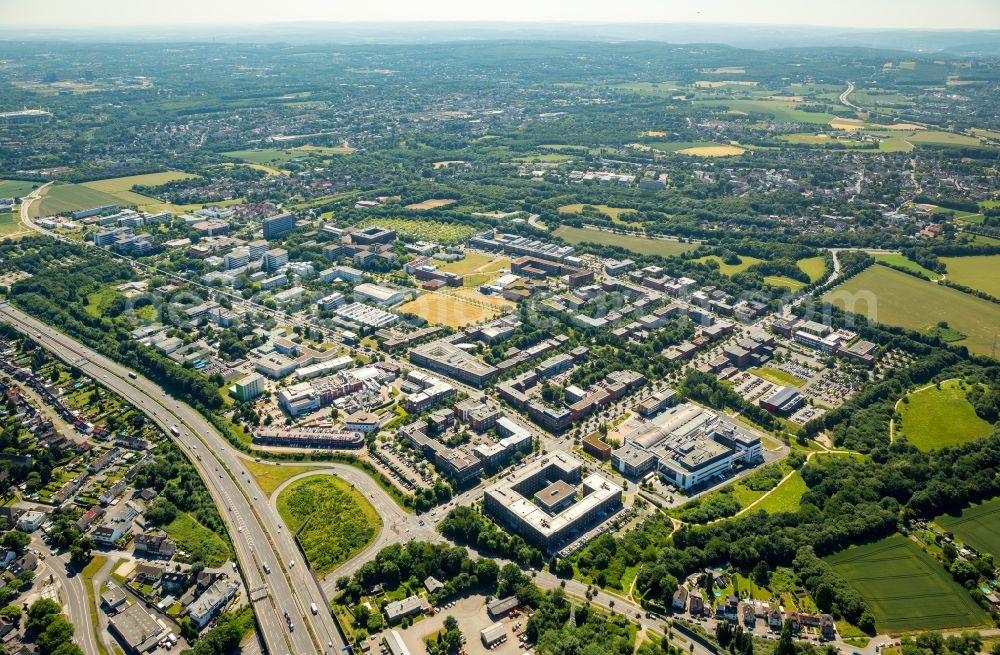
{"x": 746, "y": 262}
{"x": 977, "y": 526}
{"x": 16, "y": 188}
{"x": 778, "y": 376}
{"x": 335, "y": 519}
{"x": 713, "y": 151}
{"x": 814, "y": 267}
{"x": 614, "y": 213}
{"x": 64, "y": 198}
{"x": 115, "y": 185}
{"x": 780, "y": 111}
{"x": 451, "y": 310}
{"x": 199, "y": 542}
{"x": 936, "y": 418}
{"x": 906, "y": 588}
{"x": 639, "y": 244}
{"x": 902, "y": 300}
{"x": 786, "y": 497}
{"x": 9, "y": 223}
{"x": 475, "y": 262}
{"x": 820, "y": 139}
{"x": 270, "y": 477}
{"x": 424, "y": 230}
{"x": 276, "y": 157}
{"x": 904, "y": 262}
{"x": 98, "y": 302}
{"x": 783, "y": 281}
{"x": 980, "y": 272}
{"x": 433, "y": 203}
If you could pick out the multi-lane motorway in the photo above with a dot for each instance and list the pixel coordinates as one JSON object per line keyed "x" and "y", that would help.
{"x": 271, "y": 565}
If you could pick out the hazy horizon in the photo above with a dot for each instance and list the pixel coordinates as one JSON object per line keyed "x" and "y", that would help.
{"x": 847, "y": 14}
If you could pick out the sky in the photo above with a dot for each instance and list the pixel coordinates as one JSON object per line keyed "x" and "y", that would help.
{"x": 875, "y": 14}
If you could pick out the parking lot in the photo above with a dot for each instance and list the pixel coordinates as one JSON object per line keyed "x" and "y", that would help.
{"x": 470, "y": 612}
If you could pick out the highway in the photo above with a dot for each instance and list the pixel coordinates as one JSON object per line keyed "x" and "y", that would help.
{"x": 254, "y": 526}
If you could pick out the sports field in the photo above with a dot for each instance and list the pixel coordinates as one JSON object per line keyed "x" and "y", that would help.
{"x": 980, "y": 272}
{"x": 935, "y": 418}
{"x": 902, "y": 261}
{"x": 16, "y": 188}
{"x": 978, "y": 526}
{"x": 746, "y": 261}
{"x": 423, "y": 229}
{"x": 455, "y": 307}
{"x": 639, "y": 244}
{"x": 907, "y": 589}
{"x": 895, "y": 298}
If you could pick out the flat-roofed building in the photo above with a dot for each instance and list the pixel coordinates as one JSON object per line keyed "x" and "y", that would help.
{"x": 493, "y": 635}
{"x": 278, "y": 225}
{"x": 394, "y": 643}
{"x": 382, "y": 295}
{"x": 508, "y": 501}
{"x": 397, "y": 610}
{"x": 136, "y": 628}
{"x": 447, "y": 358}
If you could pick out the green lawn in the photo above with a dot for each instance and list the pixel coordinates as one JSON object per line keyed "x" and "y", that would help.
{"x": 936, "y": 418}
{"x": 9, "y": 223}
{"x": 96, "y": 563}
{"x": 638, "y": 244}
{"x": 902, "y": 261}
{"x": 335, "y": 519}
{"x": 980, "y": 272}
{"x": 98, "y": 302}
{"x": 270, "y": 477}
{"x": 16, "y": 188}
{"x": 746, "y": 261}
{"x": 785, "y": 497}
{"x": 614, "y": 213}
{"x": 114, "y": 185}
{"x": 977, "y": 526}
{"x": 814, "y": 267}
{"x": 895, "y": 298}
{"x": 784, "y": 281}
{"x": 907, "y": 589}
{"x": 198, "y": 541}
{"x": 277, "y": 157}
{"x": 778, "y": 377}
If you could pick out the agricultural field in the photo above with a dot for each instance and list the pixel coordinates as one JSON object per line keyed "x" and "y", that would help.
{"x": 641, "y": 245}
{"x": 981, "y": 272}
{"x": 424, "y": 230}
{"x": 977, "y": 526}
{"x": 779, "y": 111}
{"x": 614, "y": 213}
{"x": 665, "y": 89}
{"x": 904, "y": 262}
{"x": 820, "y": 139}
{"x": 713, "y": 151}
{"x": 895, "y": 298}
{"x": 121, "y": 188}
{"x": 907, "y": 589}
{"x": 448, "y": 307}
{"x": 65, "y": 198}
{"x": 746, "y": 262}
{"x": 16, "y": 188}
{"x": 935, "y": 418}
{"x": 345, "y": 521}
{"x": 433, "y": 203}
{"x": 814, "y": 267}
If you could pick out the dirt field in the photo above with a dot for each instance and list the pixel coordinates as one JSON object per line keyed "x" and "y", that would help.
{"x": 655, "y": 133}
{"x": 455, "y": 307}
{"x": 711, "y": 84}
{"x": 848, "y": 124}
{"x": 713, "y": 151}
{"x": 446, "y": 164}
{"x": 433, "y": 203}
{"x": 902, "y": 126}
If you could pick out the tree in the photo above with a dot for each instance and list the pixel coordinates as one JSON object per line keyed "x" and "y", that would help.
{"x": 16, "y": 541}
{"x": 13, "y": 613}
{"x": 786, "y": 646}
{"x": 58, "y": 632}
{"x": 38, "y": 616}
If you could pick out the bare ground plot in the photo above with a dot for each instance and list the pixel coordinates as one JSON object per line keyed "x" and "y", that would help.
{"x": 433, "y": 203}
{"x": 455, "y": 307}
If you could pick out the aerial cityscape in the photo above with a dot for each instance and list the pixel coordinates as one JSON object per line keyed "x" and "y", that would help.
{"x": 649, "y": 330}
